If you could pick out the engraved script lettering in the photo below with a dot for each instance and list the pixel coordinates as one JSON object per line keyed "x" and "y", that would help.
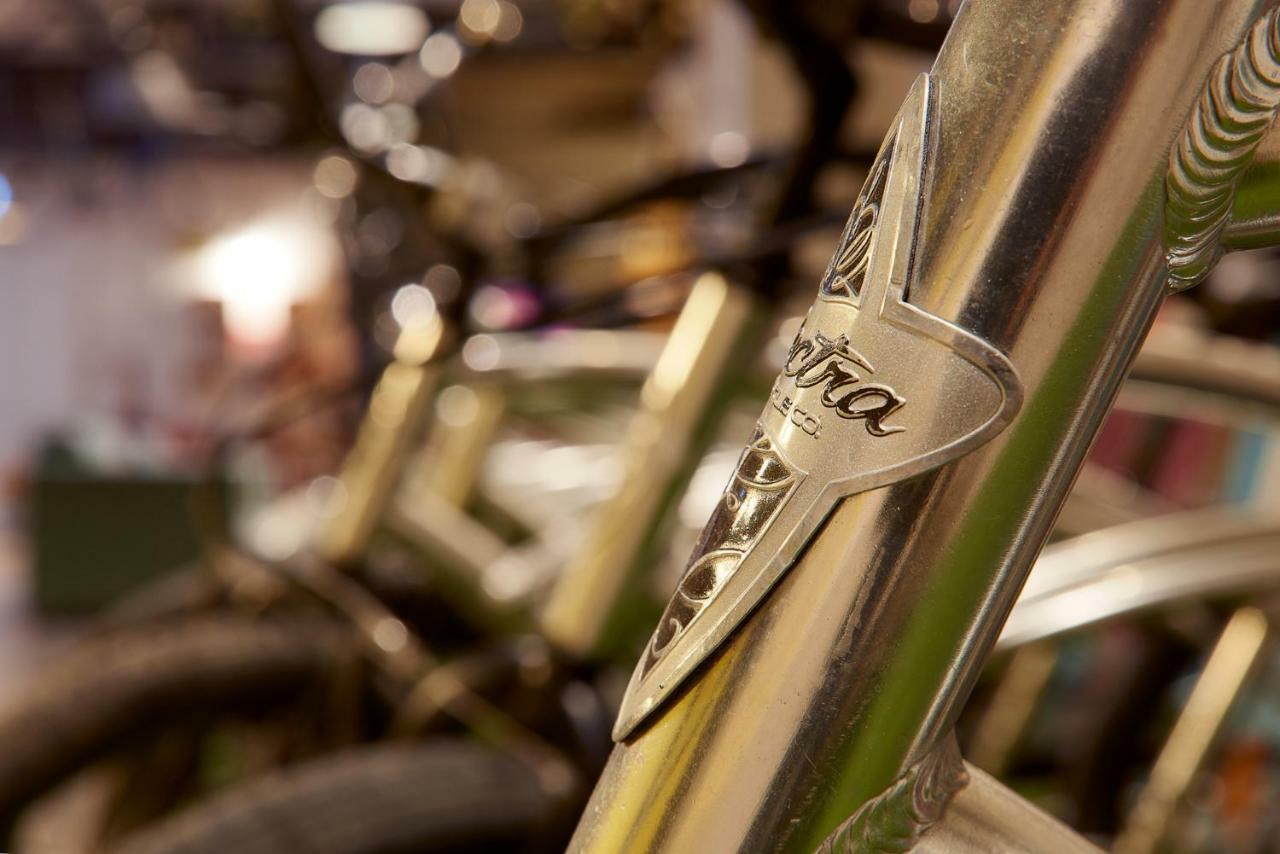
{"x": 872, "y": 402}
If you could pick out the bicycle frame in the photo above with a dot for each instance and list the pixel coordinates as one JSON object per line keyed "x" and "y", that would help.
{"x": 1063, "y": 165}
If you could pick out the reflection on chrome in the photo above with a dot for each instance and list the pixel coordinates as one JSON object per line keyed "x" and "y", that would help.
{"x": 1143, "y": 565}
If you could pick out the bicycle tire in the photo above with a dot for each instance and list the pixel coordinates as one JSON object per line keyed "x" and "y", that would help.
{"x": 110, "y": 689}
{"x": 444, "y": 795}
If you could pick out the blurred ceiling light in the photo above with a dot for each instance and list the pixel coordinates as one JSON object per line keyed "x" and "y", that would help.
{"x": 377, "y": 129}
{"x": 257, "y": 274}
{"x": 401, "y": 123}
{"x": 409, "y": 82}
{"x": 335, "y": 176}
{"x": 413, "y": 305}
{"x": 418, "y": 163}
{"x": 373, "y": 83}
{"x": 502, "y": 307}
{"x": 390, "y": 634}
{"x": 365, "y": 127}
{"x": 728, "y": 149}
{"x": 371, "y": 28}
{"x": 165, "y": 91}
{"x": 443, "y": 281}
{"x": 510, "y": 22}
{"x": 481, "y": 353}
{"x": 408, "y": 162}
{"x": 440, "y": 55}
{"x": 480, "y": 18}
{"x": 492, "y": 307}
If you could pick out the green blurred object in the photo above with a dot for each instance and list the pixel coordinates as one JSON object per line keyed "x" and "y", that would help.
{"x": 98, "y": 536}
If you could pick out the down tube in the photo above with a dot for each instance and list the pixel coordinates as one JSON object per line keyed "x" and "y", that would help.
{"x": 999, "y": 271}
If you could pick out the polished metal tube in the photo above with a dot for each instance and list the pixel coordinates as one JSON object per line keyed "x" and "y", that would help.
{"x": 985, "y": 817}
{"x": 1038, "y": 228}
{"x": 1255, "y": 216}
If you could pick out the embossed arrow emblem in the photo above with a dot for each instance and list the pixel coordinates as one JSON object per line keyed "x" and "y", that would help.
{"x": 874, "y": 391}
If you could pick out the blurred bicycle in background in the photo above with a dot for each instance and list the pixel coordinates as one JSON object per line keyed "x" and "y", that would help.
{"x": 385, "y": 360}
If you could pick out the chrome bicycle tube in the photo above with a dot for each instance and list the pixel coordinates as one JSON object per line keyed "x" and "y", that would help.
{"x": 1000, "y": 269}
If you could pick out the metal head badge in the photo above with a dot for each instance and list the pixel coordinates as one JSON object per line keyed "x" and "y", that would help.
{"x": 874, "y": 390}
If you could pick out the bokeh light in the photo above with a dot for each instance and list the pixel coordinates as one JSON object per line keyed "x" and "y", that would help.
{"x": 371, "y": 28}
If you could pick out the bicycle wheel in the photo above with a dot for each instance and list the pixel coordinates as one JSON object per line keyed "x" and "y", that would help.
{"x": 110, "y": 689}
{"x": 444, "y": 795}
